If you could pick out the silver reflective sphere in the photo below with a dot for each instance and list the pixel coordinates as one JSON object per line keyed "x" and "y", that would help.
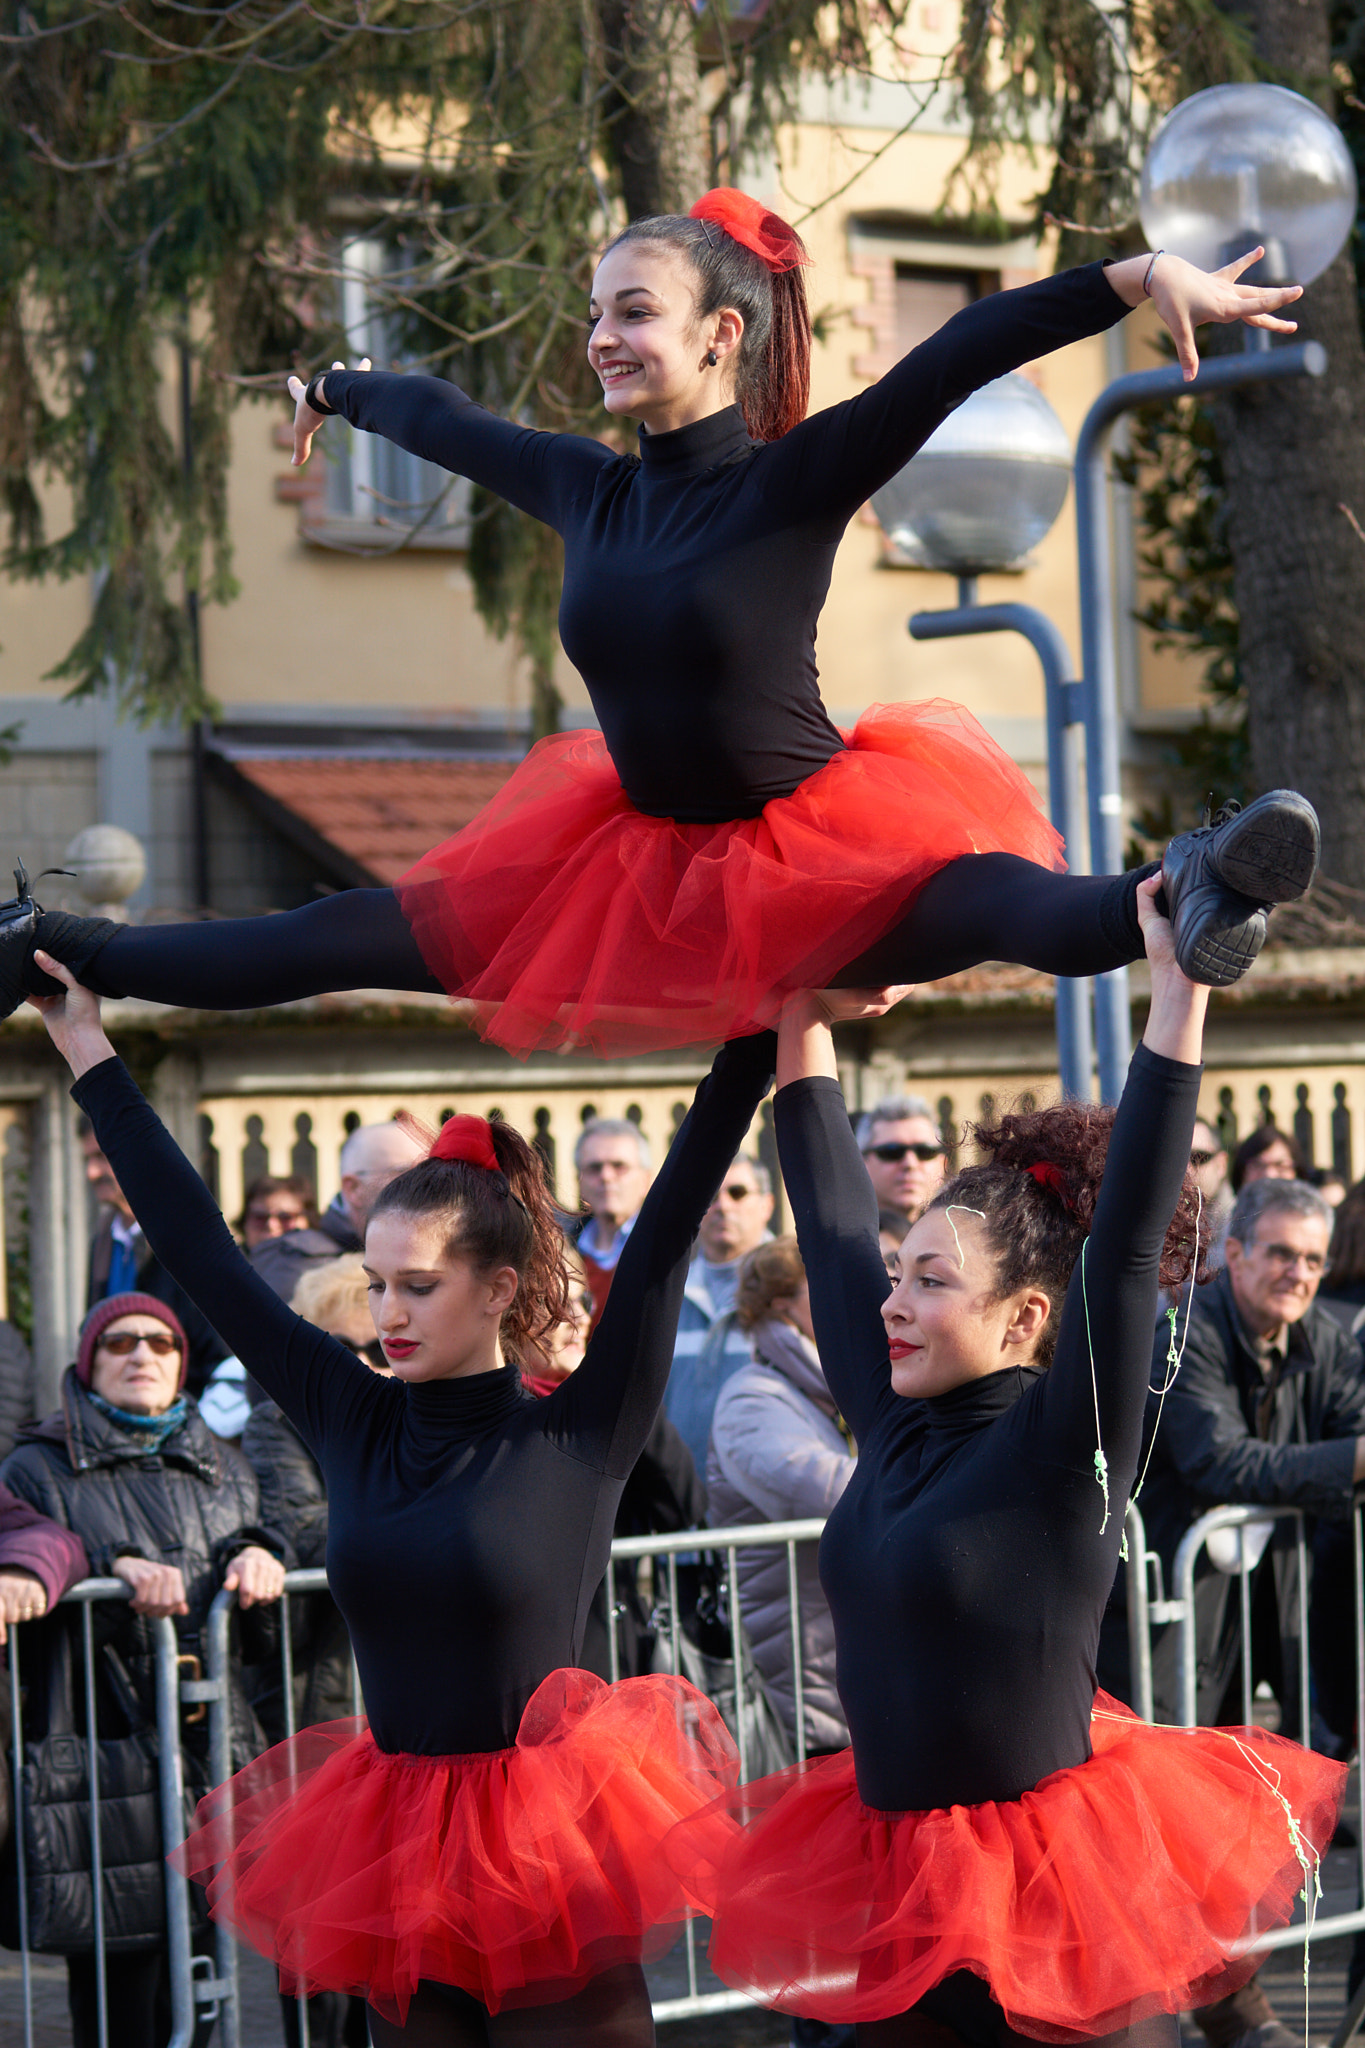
{"x": 986, "y": 485}
{"x": 109, "y": 864}
{"x": 1242, "y": 164}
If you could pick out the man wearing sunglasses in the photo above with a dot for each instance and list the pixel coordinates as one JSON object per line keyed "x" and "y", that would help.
{"x": 710, "y": 1345}
{"x": 904, "y": 1154}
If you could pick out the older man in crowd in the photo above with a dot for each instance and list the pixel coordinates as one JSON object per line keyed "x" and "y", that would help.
{"x": 613, "y": 1161}
{"x": 710, "y": 1345}
{"x": 1268, "y": 1407}
{"x": 904, "y": 1153}
{"x": 370, "y": 1158}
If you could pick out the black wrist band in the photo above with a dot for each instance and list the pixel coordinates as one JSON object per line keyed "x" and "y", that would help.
{"x": 311, "y": 394}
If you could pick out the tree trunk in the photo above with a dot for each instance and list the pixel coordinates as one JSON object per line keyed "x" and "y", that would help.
{"x": 1294, "y": 455}
{"x": 655, "y": 119}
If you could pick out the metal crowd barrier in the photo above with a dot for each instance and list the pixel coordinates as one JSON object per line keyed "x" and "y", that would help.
{"x": 1150, "y": 1607}
{"x": 187, "y": 1989}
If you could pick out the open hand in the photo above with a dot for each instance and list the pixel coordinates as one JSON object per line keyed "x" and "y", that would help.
{"x": 255, "y": 1577}
{"x": 72, "y": 1019}
{"x": 307, "y": 419}
{"x": 1187, "y": 297}
{"x": 23, "y": 1597}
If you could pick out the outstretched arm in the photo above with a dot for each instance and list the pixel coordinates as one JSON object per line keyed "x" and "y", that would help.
{"x": 606, "y": 1409}
{"x": 539, "y": 472}
{"x": 834, "y": 461}
{"x": 315, "y": 1379}
{"x": 834, "y": 1207}
{"x": 1104, "y": 1351}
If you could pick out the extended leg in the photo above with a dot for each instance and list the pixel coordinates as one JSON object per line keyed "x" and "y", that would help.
{"x": 438, "y": 2017}
{"x": 998, "y": 906}
{"x": 613, "y": 2011}
{"x": 358, "y": 938}
{"x": 960, "y": 2013}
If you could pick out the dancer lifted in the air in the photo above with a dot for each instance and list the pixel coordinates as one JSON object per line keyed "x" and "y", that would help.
{"x": 720, "y": 843}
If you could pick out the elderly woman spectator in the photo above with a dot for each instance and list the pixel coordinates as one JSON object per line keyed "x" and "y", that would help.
{"x": 779, "y": 1452}
{"x": 128, "y": 1466}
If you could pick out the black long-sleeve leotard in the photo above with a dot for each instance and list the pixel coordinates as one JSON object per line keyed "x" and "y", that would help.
{"x": 469, "y": 1524}
{"x": 964, "y": 1565}
{"x": 694, "y": 574}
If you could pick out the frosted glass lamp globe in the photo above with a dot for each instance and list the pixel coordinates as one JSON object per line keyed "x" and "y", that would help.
{"x": 985, "y": 487}
{"x": 1242, "y": 164}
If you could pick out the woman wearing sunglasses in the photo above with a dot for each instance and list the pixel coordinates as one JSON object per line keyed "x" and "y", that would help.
{"x": 128, "y": 1465}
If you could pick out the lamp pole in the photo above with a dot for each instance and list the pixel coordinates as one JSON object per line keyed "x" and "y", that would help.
{"x": 1099, "y": 690}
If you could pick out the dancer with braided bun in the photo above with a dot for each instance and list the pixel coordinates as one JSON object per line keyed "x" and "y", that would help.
{"x": 479, "y": 1861}
{"x": 1004, "y": 1852}
{"x": 720, "y": 843}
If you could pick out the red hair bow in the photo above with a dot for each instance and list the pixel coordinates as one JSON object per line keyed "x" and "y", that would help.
{"x": 749, "y": 222}
{"x": 1049, "y": 1176}
{"x": 468, "y": 1138}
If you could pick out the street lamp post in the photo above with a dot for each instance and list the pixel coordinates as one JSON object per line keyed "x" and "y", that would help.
{"x": 1229, "y": 169}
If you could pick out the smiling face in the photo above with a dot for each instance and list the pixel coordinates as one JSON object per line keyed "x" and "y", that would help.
{"x": 437, "y": 1316}
{"x": 140, "y": 1376}
{"x": 944, "y": 1323}
{"x": 647, "y": 343}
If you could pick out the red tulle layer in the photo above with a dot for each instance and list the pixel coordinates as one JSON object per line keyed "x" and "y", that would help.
{"x": 566, "y": 916}
{"x": 1110, "y": 1892}
{"x": 516, "y": 1875}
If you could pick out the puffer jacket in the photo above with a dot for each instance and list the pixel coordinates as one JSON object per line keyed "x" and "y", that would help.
{"x": 777, "y": 1454}
{"x": 194, "y": 1504}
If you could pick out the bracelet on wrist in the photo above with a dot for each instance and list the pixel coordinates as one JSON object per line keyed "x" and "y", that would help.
{"x": 311, "y": 396}
{"x": 1146, "y": 282}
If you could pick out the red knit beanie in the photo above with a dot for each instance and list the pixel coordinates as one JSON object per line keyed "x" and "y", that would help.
{"x": 109, "y": 1311}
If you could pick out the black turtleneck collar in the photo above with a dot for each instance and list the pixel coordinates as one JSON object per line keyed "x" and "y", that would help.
{"x": 720, "y": 438}
{"x": 961, "y": 1413}
{"x": 468, "y": 1406}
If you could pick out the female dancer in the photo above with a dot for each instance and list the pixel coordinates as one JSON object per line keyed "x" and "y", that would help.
{"x": 1002, "y": 1851}
{"x": 481, "y": 1863}
{"x": 720, "y": 843}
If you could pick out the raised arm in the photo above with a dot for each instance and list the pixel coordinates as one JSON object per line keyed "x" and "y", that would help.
{"x": 607, "y": 1408}
{"x": 833, "y": 1205}
{"x": 1104, "y": 1346}
{"x": 834, "y": 461}
{"x": 315, "y": 1379}
{"x": 540, "y": 472}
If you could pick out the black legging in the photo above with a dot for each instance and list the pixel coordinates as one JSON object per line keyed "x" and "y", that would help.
{"x": 983, "y": 906}
{"x": 613, "y": 2011}
{"x": 960, "y": 2013}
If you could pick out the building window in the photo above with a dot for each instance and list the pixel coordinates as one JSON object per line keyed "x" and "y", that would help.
{"x": 376, "y": 491}
{"x": 926, "y": 298}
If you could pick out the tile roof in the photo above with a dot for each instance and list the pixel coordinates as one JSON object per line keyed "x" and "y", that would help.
{"x": 381, "y": 814}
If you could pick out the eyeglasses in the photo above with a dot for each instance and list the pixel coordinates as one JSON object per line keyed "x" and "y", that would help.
{"x": 1201, "y": 1159}
{"x": 1284, "y": 1257}
{"x": 124, "y": 1343}
{"x": 372, "y": 1353}
{"x": 287, "y": 1217}
{"x": 738, "y": 1192}
{"x": 893, "y": 1154}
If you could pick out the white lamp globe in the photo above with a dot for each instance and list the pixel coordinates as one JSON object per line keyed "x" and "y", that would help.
{"x": 109, "y": 865}
{"x": 985, "y": 487}
{"x": 1242, "y": 164}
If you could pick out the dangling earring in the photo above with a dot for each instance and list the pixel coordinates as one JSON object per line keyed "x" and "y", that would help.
{"x": 711, "y": 358}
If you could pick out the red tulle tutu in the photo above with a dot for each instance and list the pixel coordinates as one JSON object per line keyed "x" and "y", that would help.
{"x": 1110, "y": 1892}
{"x": 516, "y": 1875}
{"x": 567, "y": 916}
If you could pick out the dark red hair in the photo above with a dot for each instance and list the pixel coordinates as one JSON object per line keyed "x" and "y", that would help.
{"x": 772, "y": 374}
{"x": 496, "y": 1217}
{"x": 1037, "y": 1190}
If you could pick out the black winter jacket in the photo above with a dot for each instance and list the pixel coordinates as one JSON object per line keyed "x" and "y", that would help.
{"x": 1215, "y": 1446}
{"x": 193, "y": 1504}
{"x": 294, "y": 1501}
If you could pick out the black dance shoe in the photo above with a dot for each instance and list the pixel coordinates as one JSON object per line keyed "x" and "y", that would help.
{"x": 75, "y": 940}
{"x": 1219, "y": 881}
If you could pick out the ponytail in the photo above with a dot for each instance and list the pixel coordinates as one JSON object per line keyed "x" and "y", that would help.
{"x": 496, "y": 1216}
{"x": 747, "y": 257}
{"x": 1037, "y": 1191}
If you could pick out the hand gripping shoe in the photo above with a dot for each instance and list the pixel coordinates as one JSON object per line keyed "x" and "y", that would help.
{"x": 1219, "y": 881}
{"x": 76, "y": 940}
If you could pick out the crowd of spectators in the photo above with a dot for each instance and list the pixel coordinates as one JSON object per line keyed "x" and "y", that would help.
{"x": 164, "y": 1467}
